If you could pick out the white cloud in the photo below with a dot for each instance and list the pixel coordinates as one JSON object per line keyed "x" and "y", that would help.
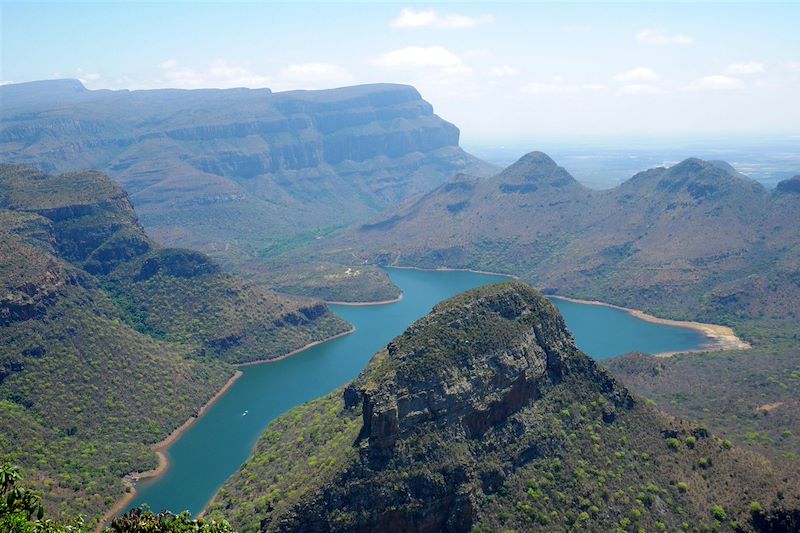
{"x": 218, "y": 74}
{"x": 430, "y": 18}
{"x": 656, "y": 37}
{"x": 793, "y": 66}
{"x": 717, "y": 82}
{"x": 7, "y": 82}
{"x": 749, "y": 67}
{"x": 423, "y": 57}
{"x": 639, "y": 74}
{"x": 313, "y": 75}
{"x": 504, "y": 71}
{"x": 640, "y": 88}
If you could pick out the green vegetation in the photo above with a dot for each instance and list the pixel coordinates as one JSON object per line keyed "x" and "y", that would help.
{"x": 110, "y": 342}
{"x": 244, "y": 175}
{"x": 752, "y": 397}
{"x": 573, "y": 452}
{"x": 21, "y": 512}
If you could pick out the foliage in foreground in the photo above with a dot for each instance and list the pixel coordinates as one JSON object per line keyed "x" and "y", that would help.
{"x": 21, "y": 512}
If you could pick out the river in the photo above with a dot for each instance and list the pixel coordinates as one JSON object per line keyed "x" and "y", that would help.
{"x": 219, "y": 442}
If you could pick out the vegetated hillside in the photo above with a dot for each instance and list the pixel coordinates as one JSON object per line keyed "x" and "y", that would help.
{"x": 752, "y": 397}
{"x": 691, "y": 240}
{"x": 169, "y": 294}
{"x": 21, "y": 512}
{"x": 109, "y": 342}
{"x": 239, "y": 173}
{"x": 484, "y": 416}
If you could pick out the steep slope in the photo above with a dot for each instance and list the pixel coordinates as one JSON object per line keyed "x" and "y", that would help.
{"x": 239, "y": 172}
{"x": 484, "y": 415}
{"x": 690, "y": 240}
{"x": 170, "y": 294}
{"x": 110, "y": 342}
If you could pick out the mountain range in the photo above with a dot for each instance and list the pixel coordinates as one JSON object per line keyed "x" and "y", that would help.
{"x": 694, "y": 240}
{"x": 239, "y": 173}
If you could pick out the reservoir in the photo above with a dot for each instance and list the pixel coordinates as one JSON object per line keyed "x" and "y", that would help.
{"x": 219, "y": 442}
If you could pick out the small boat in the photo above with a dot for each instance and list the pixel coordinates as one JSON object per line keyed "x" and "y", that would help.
{"x": 245, "y": 412}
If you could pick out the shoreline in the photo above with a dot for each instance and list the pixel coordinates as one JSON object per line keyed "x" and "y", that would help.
{"x": 364, "y": 304}
{"x": 448, "y": 269}
{"x": 129, "y": 480}
{"x": 297, "y": 351}
{"x": 719, "y": 337}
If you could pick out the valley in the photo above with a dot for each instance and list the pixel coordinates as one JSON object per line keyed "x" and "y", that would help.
{"x": 217, "y": 445}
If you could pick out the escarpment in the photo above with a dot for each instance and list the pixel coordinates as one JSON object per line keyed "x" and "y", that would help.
{"x": 272, "y": 165}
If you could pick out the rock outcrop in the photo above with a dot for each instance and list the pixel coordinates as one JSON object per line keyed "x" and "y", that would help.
{"x": 483, "y": 416}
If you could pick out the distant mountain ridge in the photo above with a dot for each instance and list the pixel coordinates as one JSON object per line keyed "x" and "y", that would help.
{"x": 272, "y": 166}
{"x": 694, "y": 239}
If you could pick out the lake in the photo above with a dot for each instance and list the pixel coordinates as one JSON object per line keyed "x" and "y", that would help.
{"x": 218, "y": 443}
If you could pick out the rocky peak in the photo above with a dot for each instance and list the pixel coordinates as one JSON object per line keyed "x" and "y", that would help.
{"x": 535, "y": 170}
{"x": 726, "y": 167}
{"x": 696, "y": 180}
{"x": 792, "y": 185}
{"x": 473, "y": 361}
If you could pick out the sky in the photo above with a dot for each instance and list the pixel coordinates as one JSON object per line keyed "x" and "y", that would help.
{"x": 499, "y": 71}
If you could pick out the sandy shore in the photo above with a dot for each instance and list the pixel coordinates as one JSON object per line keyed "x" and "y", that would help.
{"x": 365, "y": 304}
{"x": 163, "y": 463}
{"x": 719, "y": 337}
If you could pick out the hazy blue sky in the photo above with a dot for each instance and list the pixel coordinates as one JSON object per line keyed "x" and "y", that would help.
{"x": 498, "y": 71}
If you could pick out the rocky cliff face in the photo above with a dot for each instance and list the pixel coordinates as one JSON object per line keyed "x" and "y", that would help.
{"x": 484, "y": 416}
{"x": 271, "y": 165}
{"x": 456, "y": 379}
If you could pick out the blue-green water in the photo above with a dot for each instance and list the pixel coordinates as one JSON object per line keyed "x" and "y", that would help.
{"x": 219, "y": 442}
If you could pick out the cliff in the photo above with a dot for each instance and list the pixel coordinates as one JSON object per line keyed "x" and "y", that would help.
{"x": 273, "y": 166}
{"x": 484, "y": 416}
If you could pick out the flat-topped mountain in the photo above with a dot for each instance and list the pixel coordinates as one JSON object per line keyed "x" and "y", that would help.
{"x": 694, "y": 239}
{"x": 109, "y": 341}
{"x": 484, "y": 416}
{"x": 239, "y": 172}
